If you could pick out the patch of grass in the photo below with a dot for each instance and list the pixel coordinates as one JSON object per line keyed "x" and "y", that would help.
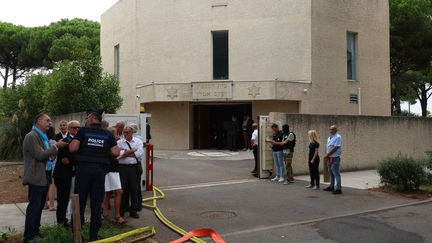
{"x": 59, "y": 234}
{"x": 7, "y": 234}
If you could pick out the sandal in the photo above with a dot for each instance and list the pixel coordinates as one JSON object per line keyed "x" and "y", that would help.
{"x": 120, "y": 220}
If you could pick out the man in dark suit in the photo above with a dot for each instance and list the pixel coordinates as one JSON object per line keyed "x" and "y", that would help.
{"x": 63, "y": 126}
{"x": 63, "y": 173}
{"x": 36, "y": 152}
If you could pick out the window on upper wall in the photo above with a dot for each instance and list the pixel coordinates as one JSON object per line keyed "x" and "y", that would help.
{"x": 351, "y": 56}
{"x": 117, "y": 61}
{"x": 220, "y": 55}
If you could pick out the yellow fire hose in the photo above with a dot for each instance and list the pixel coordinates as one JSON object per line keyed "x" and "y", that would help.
{"x": 151, "y": 232}
{"x": 157, "y": 195}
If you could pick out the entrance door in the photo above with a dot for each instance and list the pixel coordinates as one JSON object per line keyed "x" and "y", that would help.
{"x": 208, "y": 125}
{"x": 201, "y": 128}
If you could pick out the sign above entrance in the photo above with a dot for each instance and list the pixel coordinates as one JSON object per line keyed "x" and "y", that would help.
{"x": 212, "y": 91}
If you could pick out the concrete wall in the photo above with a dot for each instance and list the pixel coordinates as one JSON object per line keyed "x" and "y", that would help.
{"x": 175, "y": 43}
{"x": 264, "y": 107}
{"x": 169, "y": 125}
{"x": 80, "y": 116}
{"x": 330, "y": 90}
{"x": 366, "y": 139}
{"x": 166, "y": 45}
{"x": 118, "y": 27}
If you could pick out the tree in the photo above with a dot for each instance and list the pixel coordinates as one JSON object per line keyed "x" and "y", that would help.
{"x": 25, "y": 49}
{"x": 85, "y": 85}
{"x": 421, "y": 85}
{"x": 13, "y": 42}
{"x": 411, "y": 42}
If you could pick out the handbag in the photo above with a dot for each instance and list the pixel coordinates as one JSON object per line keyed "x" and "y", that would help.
{"x": 139, "y": 164}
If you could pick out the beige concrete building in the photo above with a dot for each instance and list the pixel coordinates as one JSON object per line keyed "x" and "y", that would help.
{"x": 194, "y": 63}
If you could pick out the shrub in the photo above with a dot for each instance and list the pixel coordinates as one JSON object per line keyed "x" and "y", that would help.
{"x": 60, "y": 234}
{"x": 403, "y": 172}
{"x": 428, "y": 166}
{"x": 12, "y": 133}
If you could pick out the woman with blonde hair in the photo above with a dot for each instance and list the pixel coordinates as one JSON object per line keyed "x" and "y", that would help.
{"x": 313, "y": 160}
{"x": 113, "y": 185}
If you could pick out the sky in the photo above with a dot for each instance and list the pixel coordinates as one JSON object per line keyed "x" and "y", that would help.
{"x": 44, "y": 12}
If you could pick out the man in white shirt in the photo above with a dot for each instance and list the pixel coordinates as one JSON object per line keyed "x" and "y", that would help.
{"x": 131, "y": 150}
{"x": 63, "y": 127}
{"x": 254, "y": 142}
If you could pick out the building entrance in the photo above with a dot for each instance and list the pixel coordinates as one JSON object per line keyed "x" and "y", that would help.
{"x": 210, "y": 122}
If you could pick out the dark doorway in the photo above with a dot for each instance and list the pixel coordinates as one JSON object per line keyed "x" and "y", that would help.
{"x": 209, "y": 122}
{"x": 220, "y": 55}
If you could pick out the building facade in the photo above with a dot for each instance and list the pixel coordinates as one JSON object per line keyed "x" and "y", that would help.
{"x": 192, "y": 64}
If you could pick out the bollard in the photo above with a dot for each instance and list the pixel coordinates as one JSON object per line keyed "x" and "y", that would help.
{"x": 326, "y": 171}
{"x": 76, "y": 219}
{"x": 149, "y": 167}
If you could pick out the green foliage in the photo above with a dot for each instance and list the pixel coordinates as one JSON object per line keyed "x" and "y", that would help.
{"x": 13, "y": 131}
{"x": 85, "y": 85}
{"x": 69, "y": 47}
{"x": 23, "y": 49}
{"x": 7, "y": 234}
{"x": 411, "y": 46}
{"x": 55, "y": 233}
{"x": 72, "y": 86}
{"x": 402, "y": 172}
{"x": 428, "y": 164}
{"x": 60, "y": 234}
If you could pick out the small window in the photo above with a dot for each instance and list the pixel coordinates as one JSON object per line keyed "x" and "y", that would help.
{"x": 354, "y": 98}
{"x": 117, "y": 61}
{"x": 220, "y": 55}
{"x": 351, "y": 56}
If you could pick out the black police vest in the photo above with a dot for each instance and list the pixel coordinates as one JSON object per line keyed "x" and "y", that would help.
{"x": 94, "y": 147}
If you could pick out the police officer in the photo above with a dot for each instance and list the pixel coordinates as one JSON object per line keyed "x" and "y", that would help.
{"x": 93, "y": 146}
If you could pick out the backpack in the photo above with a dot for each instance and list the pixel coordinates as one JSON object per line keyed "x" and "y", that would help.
{"x": 291, "y": 144}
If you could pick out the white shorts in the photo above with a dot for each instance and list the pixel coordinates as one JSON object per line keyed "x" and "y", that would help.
{"x": 112, "y": 181}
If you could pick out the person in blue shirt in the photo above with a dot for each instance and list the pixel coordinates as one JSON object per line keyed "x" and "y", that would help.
{"x": 333, "y": 153}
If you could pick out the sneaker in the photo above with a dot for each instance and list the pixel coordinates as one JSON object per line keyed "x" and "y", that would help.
{"x": 309, "y": 186}
{"x": 281, "y": 180}
{"x": 286, "y": 182}
{"x": 329, "y": 189}
{"x": 275, "y": 179}
{"x": 337, "y": 192}
{"x": 315, "y": 188}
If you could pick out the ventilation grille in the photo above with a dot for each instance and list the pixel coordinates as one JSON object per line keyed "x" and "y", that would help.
{"x": 353, "y": 98}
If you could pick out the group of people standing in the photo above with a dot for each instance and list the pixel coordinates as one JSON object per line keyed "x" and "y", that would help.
{"x": 93, "y": 161}
{"x": 283, "y": 143}
{"x": 234, "y": 128}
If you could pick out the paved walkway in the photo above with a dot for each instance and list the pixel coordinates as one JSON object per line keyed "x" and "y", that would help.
{"x": 12, "y": 215}
{"x": 357, "y": 179}
{"x": 203, "y": 155}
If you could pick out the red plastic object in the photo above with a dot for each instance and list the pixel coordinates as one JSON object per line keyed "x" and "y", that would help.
{"x": 200, "y": 233}
{"x": 149, "y": 167}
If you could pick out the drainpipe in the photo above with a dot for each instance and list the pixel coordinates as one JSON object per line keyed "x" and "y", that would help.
{"x": 359, "y": 100}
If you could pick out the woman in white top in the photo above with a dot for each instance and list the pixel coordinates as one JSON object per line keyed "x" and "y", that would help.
{"x": 254, "y": 143}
